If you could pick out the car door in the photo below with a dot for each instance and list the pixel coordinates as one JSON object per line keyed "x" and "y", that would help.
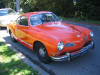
{"x": 22, "y": 30}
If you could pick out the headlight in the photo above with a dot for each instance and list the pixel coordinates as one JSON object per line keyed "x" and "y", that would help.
{"x": 91, "y": 34}
{"x": 60, "y": 46}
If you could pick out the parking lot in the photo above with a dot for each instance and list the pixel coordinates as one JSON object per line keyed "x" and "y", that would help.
{"x": 88, "y": 64}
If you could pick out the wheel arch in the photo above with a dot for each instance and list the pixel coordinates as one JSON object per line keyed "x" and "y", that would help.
{"x": 35, "y": 43}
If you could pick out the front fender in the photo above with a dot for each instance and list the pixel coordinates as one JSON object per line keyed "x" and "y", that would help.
{"x": 49, "y": 42}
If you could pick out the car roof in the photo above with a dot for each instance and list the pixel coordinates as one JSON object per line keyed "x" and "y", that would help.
{"x": 34, "y": 13}
{"x": 5, "y": 8}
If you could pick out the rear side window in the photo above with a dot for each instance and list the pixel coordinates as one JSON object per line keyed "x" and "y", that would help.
{"x": 23, "y": 20}
{"x": 35, "y": 20}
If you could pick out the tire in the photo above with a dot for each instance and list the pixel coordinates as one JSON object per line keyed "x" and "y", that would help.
{"x": 7, "y": 30}
{"x": 12, "y": 37}
{"x": 0, "y": 28}
{"x": 93, "y": 46}
{"x": 42, "y": 54}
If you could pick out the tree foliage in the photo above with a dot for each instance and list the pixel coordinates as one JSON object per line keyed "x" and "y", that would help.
{"x": 89, "y": 9}
{"x": 2, "y": 5}
{"x": 60, "y": 7}
{"x": 84, "y": 8}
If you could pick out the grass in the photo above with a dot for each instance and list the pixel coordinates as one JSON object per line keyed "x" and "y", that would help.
{"x": 82, "y": 20}
{"x": 10, "y": 64}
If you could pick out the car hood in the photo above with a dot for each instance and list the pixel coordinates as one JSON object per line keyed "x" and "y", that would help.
{"x": 61, "y": 31}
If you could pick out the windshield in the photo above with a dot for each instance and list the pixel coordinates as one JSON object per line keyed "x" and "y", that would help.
{"x": 11, "y": 11}
{"x": 3, "y": 12}
{"x": 43, "y": 18}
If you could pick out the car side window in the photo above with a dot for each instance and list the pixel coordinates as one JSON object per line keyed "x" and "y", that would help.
{"x": 23, "y": 20}
{"x": 35, "y": 20}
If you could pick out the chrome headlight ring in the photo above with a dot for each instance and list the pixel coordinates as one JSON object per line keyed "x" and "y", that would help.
{"x": 60, "y": 46}
{"x": 91, "y": 34}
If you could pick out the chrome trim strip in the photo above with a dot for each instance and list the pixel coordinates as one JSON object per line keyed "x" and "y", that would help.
{"x": 25, "y": 42}
{"x": 22, "y": 41}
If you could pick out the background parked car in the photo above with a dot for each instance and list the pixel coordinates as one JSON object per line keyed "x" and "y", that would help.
{"x": 7, "y": 15}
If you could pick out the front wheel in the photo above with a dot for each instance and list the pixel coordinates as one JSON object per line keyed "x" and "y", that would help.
{"x": 42, "y": 54}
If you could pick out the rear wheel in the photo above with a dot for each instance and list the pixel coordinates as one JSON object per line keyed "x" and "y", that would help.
{"x": 0, "y": 28}
{"x": 12, "y": 37}
{"x": 42, "y": 54}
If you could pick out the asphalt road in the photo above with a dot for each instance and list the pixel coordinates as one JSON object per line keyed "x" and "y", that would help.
{"x": 88, "y": 64}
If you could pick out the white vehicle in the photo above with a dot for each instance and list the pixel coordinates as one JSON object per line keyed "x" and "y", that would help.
{"x": 7, "y": 15}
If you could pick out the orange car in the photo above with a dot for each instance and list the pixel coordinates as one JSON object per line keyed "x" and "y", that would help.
{"x": 49, "y": 37}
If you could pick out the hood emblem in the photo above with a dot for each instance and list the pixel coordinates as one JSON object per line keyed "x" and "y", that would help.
{"x": 78, "y": 35}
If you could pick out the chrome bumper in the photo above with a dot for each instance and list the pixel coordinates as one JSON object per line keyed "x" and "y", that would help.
{"x": 68, "y": 56}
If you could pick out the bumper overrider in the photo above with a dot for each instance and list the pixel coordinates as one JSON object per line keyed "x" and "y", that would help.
{"x": 69, "y": 56}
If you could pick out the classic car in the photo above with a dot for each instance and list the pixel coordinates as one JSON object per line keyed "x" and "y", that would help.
{"x": 7, "y": 15}
{"x": 50, "y": 37}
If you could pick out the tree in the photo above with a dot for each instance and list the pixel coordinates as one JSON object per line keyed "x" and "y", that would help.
{"x": 89, "y": 8}
{"x": 2, "y": 5}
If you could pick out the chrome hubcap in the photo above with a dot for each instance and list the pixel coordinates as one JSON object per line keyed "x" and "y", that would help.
{"x": 42, "y": 52}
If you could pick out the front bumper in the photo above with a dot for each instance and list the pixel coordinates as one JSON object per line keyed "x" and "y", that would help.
{"x": 68, "y": 56}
